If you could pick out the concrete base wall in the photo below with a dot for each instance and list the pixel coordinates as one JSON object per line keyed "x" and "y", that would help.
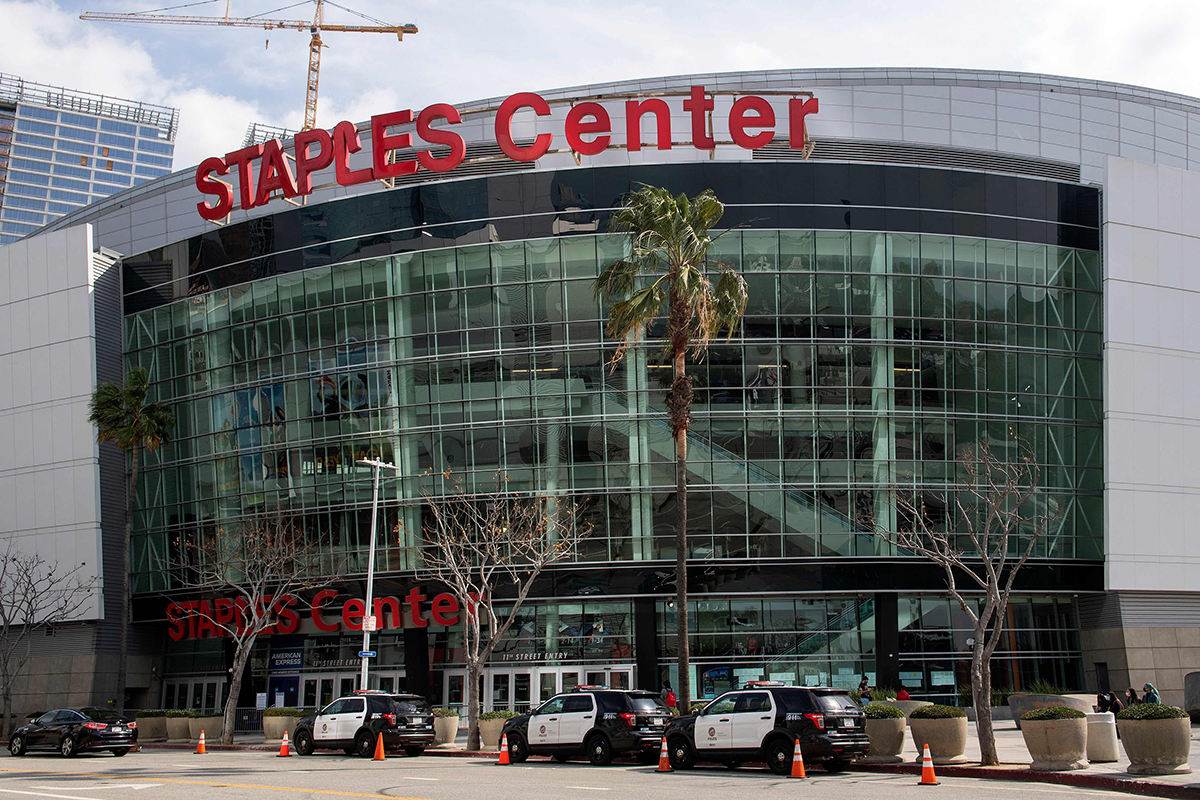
{"x": 1140, "y": 655}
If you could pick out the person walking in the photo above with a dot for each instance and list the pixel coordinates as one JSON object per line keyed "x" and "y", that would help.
{"x": 1151, "y": 694}
{"x": 863, "y": 685}
{"x": 668, "y": 695}
{"x": 1131, "y": 698}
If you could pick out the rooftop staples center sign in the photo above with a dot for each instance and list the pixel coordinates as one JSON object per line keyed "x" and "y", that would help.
{"x": 263, "y": 169}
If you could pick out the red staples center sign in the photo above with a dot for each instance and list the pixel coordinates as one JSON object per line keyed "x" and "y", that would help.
{"x": 263, "y": 169}
{"x": 197, "y": 619}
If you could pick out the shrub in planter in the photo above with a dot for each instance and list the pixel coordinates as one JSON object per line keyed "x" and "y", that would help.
{"x": 1023, "y": 702}
{"x": 944, "y": 729}
{"x": 885, "y": 729}
{"x": 177, "y": 724}
{"x": 445, "y": 726}
{"x": 152, "y": 725}
{"x": 1056, "y": 737}
{"x": 278, "y": 720}
{"x": 1157, "y": 739}
{"x": 491, "y": 724}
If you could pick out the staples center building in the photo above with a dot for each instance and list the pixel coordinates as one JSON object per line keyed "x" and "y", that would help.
{"x": 935, "y": 259}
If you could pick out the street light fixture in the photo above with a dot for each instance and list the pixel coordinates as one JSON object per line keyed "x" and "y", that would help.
{"x": 368, "y": 610}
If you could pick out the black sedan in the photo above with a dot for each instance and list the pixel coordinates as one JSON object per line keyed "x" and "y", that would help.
{"x": 71, "y": 731}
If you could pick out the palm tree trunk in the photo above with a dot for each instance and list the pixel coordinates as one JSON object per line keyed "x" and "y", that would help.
{"x": 123, "y": 662}
{"x": 679, "y": 426}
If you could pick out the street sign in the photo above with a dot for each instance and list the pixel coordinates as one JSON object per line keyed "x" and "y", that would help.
{"x": 369, "y": 623}
{"x": 366, "y": 653}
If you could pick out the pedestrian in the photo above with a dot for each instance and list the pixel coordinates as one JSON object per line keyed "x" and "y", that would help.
{"x": 1101, "y": 703}
{"x": 1151, "y": 694}
{"x": 668, "y": 695}
{"x": 1131, "y": 698}
{"x": 902, "y": 694}
{"x": 1114, "y": 703}
{"x": 863, "y": 685}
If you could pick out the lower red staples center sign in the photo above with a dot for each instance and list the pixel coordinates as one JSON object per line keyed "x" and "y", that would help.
{"x": 263, "y": 169}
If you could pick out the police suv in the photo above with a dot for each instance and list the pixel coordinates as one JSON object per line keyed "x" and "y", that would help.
{"x": 592, "y": 721}
{"x": 353, "y": 724}
{"x": 763, "y": 720}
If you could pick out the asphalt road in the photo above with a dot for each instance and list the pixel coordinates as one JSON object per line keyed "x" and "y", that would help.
{"x": 180, "y": 775}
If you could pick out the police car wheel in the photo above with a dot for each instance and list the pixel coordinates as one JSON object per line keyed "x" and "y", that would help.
{"x": 779, "y": 756}
{"x": 364, "y": 744}
{"x": 837, "y": 765}
{"x": 599, "y": 751}
{"x": 680, "y": 753}
{"x": 303, "y": 743}
{"x": 518, "y": 750}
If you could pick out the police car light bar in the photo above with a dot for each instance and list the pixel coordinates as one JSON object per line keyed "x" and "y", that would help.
{"x": 765, "y": 683}
{"x": 587, "y": 687}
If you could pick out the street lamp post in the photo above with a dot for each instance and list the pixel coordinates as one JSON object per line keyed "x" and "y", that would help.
{"x": 368, "y": 616}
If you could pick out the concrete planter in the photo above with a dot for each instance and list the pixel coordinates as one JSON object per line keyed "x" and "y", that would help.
{"x": 887, "y": 741}
{"x": 274, "y": 727}
{"x": 489, "y": 732}
{"x": 947, "y": 739}
{"x": 213, "y": 727}
{"x": 1157, "y": 746}
{"x": 908, "y": 706}
{"x": 445, "y": 729}
{"x": 1056, "y": 744}
{"x": 152, "y": 729}
{"x": 1102, "y": 744}
{"x": 178, "y": 729}
{"x": 1020, "y": 703}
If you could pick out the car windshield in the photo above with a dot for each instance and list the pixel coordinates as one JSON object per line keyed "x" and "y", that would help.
{"x": 411, "y": 705}
{"x": 100, "y": 714}
{"x": 834, "y": 701}
{"x": 647, "y": 705}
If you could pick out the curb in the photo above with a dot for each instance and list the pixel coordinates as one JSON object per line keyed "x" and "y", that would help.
{"x": 1131, "y": 785}
{"x": 264, "y": 748}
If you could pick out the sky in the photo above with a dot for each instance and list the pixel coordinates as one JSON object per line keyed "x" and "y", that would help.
{"x": 223, "y": 79}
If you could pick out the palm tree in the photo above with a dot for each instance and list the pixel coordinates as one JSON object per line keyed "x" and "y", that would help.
{"x": 125, "y": 418}
{"x": 669, "y": 267}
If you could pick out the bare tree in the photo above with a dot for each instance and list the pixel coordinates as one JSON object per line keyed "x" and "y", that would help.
{"x": 981, "y": 533}
{"x": 259, "y": 570}
{"x": 484, "y": 542}
{"x": 34, "y": 594}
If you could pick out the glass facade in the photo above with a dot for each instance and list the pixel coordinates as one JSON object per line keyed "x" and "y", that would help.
{"x": 866, "y": 362}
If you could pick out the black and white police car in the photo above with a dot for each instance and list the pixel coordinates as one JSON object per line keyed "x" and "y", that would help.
{"x": 592, "y": 721}
{"x": 763, "y": 720}
{"x": 353, "y": 724}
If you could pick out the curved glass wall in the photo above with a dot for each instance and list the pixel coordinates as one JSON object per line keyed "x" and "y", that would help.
{"x": 865, "y": 361}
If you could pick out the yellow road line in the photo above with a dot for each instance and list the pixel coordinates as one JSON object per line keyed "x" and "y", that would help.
{"x": 108, "y": 776}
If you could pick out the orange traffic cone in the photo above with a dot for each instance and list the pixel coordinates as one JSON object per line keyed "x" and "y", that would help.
{"x": 664, "y": 760}
{"x": 379, "y": 749}
{"x": 283, "y": 747}
{"x": 927, "y": 776}
{"x": 200, "y": 747}
{"x": 504, "y": 760}
{"x": 797, "y": 762}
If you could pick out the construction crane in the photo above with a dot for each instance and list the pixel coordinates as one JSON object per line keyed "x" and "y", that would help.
{"x": 314, "y": 48}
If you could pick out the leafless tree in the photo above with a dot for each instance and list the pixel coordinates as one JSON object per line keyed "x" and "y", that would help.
{"x": 483, "y": 542}
{"x": 981, "y": 533}
{"x": 257, "y": 572}
{"x": 34, "y": 594}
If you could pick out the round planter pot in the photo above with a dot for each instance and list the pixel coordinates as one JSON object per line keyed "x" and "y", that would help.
{"x": 213, "y": 727}
{"x": 947, "y": 739}
{"x": 1056, "y": 744}
{"x": 274, "y": 727}
{"x": 1157, "y": 746}
{"x": 178, "y": 729}
{"x": 1020, "y": 703}
{"x": 489, "y": 732}
{"x": 445, "y": 730}
{"x": 152, "y": 729}
{"x": 887, "y": 741}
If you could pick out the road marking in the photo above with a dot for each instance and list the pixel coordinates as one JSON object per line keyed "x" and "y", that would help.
{"x": 134, "y": 786}
{"x": 590, "y": 788}
{"x": 221, "y": 784}
{"x": 418, "y": 778}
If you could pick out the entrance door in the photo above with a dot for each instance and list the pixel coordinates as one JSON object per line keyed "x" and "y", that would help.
{"x": 287, "y": 688}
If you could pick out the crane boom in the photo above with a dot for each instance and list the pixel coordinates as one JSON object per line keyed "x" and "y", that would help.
{"x": 315, "y": 27}
{"x": 251, "y": 22}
